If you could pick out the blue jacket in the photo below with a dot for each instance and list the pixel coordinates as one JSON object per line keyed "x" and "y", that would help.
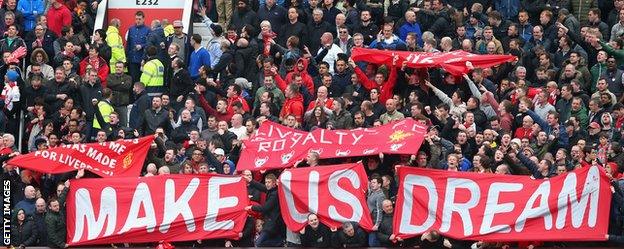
{"x": 199, "y": 57}
{"x": 526, "y": 31}
{"x": 30, "y": 9}
{"x": 157, "y": 38}
{"x": 136, "y": 36}
{"x": 396, "y": 43}
{"x": 508, "y": 8}
{"x": 408, "y": 28}
{"x": 277, "y": 15}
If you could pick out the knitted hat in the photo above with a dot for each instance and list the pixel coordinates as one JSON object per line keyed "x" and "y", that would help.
{"x": 12, "y": 75}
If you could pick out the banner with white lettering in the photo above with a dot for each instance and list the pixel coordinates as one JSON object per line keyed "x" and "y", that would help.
{"x": 276, "y": 146}
{"x": 453, "y": 62}
{"x": 335, "y": 193}
{"x": 158, "y": 208}
{"x": 108, "y": 159}
{"x": 571, "y": 207}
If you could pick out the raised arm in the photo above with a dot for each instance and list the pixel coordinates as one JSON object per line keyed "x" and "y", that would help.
{"x": 441, "y": 95}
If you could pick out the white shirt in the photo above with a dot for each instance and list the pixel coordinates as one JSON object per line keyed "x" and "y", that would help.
{"x": 332, "y": 56}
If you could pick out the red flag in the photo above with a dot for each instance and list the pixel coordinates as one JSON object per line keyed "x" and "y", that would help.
{"x": 470, "y": 206}
{"x": 453, "y": 62}
{"x": 158, "y": 208}
{"x": 335, "y": 193}
{"x": 276, "y": 146}
{"x": 116, "y": 158}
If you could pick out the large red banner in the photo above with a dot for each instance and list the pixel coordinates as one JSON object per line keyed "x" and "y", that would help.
{"x": 159, "y": 208}
{"x": 453, "y": 62}
{"x": 335, "y": 193}
{"x": 115, "y": 158}
{"x": 276, "y": 146}
{"x": 571, "y": 207}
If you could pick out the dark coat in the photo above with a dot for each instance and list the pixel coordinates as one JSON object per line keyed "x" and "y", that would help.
{"x": 359, "y": 239}
{"x": 181, "y": 84}
{"x": 317, "y": 238}
{"x": 24, "y": 234}
{"x": 273, "y": 223}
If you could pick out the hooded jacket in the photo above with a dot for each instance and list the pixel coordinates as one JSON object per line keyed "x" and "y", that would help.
{"x": 293, "y": 106}
{"x": 307, "y": 79}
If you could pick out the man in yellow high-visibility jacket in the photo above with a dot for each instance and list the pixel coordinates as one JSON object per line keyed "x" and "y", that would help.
{"x": 153, "y": 73}
{"x": 113, "y": 39}
{"x": 105, "y": 108}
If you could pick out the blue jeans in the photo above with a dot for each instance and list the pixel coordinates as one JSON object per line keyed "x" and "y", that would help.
{"x": 267, "y": 240}
{"x": 372, "y": 240}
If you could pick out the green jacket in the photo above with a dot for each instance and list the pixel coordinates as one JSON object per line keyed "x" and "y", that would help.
{"x": 55, "y": 224}
{"x": 617, "y": 54}
{"x": 596, "y": 71}
{"x": 581, "y": 116}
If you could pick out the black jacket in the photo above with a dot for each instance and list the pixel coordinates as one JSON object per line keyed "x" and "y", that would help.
{"x": 53, "y": 88}
{"x": 315, "y": 31}
{"x": 181, "y": 84}
{"x": 385, "y": 230}
{"x": 247, "y": 17}
{"x": 153, "y": 119}
{"x": 24, "y": 234}
{"x": 121, "y": 86}
{"x": 319, "y": 238}
{"x": 87, "y": 93}
{"x": 359, "y": 239}
{"x": 289, "y": 29}
{"x": 40, "y": 227}
{"x": 273, "y": 223}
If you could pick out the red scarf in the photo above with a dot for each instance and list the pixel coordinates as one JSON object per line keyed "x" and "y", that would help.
{"x": 267, "y": 38}
{"x": 95, "y": 63}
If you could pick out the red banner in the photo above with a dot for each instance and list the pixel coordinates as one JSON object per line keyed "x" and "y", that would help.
{"x": 335, "y": 193}
{"x": 158, "y": 208}
{"x": 453, "y": 62}
{"x": 116, "y": 158}
{"x": 471, "y": 206}
{"x": 276, "y": 146}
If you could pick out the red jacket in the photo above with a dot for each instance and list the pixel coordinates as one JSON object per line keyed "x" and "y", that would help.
{"x": 293, "y": 106}
{"x": 102, "y": 69}
{"x": 231, "y": 101}
{"x": 385, "y": 90}
{"x": 328, "y": 104}
{"x": 220, "y": 116}
{"x": 58, "y": 18}
{"x": 307, "y": 79}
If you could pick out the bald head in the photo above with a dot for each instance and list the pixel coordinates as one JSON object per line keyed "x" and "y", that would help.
{"x": 327, "y": 38}
{"x": 390, "y": 105}
{"x": 30, "y": 192}
{"x": 40, "y": 205}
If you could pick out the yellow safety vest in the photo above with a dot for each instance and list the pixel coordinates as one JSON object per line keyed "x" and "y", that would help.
{"x": 153, "y": 73}
{"x": 105, "y": 109}
{"x": 118, "y": 52}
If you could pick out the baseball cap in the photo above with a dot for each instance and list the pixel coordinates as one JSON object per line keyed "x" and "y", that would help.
{"x": 219, "y": 151}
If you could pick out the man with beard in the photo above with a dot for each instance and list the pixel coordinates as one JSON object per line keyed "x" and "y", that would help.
{"x": 243, "y": 15}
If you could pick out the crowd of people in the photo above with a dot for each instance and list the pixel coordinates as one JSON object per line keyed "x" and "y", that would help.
{"x": 558, "y": 107}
